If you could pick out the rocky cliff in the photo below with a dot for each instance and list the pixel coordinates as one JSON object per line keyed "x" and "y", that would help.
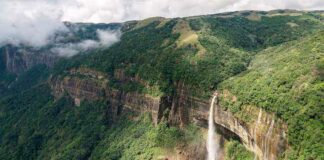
{"x": 18, "y": 60}
{"x": 84, "y": 84}
{"x": 264, "y": 135}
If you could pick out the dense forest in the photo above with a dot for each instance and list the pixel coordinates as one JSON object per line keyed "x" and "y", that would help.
{"x": 272, "y": 61}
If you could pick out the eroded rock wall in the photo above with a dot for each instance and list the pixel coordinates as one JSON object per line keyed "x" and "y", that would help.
{"x": 264, "y": 135}
{"x": 84, "y": 84}
{"x": 19, "y": 60}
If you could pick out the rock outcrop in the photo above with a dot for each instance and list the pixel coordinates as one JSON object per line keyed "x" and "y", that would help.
{"x": 19, "y": 60}
{"x": 84, "y": 84}
{"x": 264, "y": 135}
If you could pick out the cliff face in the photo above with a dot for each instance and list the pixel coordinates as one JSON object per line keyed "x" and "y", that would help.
{"x": 19, "y": 60}
{"x": 264, "y": 135}
{"x": 84, "y": 84}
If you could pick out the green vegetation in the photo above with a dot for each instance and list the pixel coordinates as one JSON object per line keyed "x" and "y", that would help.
{"x": 224, "y": 48}
{"x": 272, "y": 61}
{"x": 34, "y": 76}
{"x": 131, "y": 139}
{"x": 234, "y": 150}
{"x": 5, "y": 77}
{"x": 34, "y": 126}
{"x": 242, "y": 32}
{"x": 5, "y": 80}
{"x": 287, "y": 80}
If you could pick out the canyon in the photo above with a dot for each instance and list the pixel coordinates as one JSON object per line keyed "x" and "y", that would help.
{"x": 265, "y": 135}
{"x": 150, "y": 95}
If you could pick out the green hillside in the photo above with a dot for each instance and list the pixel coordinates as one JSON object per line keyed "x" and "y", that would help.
{"x": 287, "y": 80}
{"x": 169, "y": 50}
{"x": 271, "y": 60}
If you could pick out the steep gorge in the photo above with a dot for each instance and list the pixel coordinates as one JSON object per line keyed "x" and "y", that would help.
{"x": 265, "y": 135}
{"x": 171, "y": 75}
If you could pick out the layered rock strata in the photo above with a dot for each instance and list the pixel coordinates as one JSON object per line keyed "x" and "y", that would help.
{"x": 264, "y": 135}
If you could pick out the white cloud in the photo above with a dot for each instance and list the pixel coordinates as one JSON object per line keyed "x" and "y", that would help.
{"x": 28, "y": 23}
{"x": 106, "y": 39}
{"x": 122, "y": 10}
{"x": 34, "y": 21}
{"x": 65, "y": 51}
{"x": 87, "y": 44}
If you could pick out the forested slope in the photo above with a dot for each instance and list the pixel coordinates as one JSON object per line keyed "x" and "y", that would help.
{"x": 287, "y": 80}
{"x": 270, "y": 60}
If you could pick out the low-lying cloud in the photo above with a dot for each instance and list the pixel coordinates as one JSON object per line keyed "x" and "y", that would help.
{"x": 106, "y": 38}
{"x": 28, "y": 23}
{"x": 33, "y": 22}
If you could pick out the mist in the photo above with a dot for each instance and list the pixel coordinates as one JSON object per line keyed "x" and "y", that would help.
{"x": 30, "y": 26}
{"x": 106, "y": 38}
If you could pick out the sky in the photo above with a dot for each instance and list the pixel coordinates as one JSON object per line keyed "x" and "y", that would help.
{"x": 20, "y": 20}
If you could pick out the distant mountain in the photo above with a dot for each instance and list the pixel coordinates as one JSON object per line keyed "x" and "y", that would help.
{"x": 79, "y": 37}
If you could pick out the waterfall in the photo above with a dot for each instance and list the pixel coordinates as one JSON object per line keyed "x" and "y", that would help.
{"x": 212, "y": 145}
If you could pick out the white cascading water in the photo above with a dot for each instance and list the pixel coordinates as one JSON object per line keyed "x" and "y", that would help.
{"x": 212, "y": 145}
